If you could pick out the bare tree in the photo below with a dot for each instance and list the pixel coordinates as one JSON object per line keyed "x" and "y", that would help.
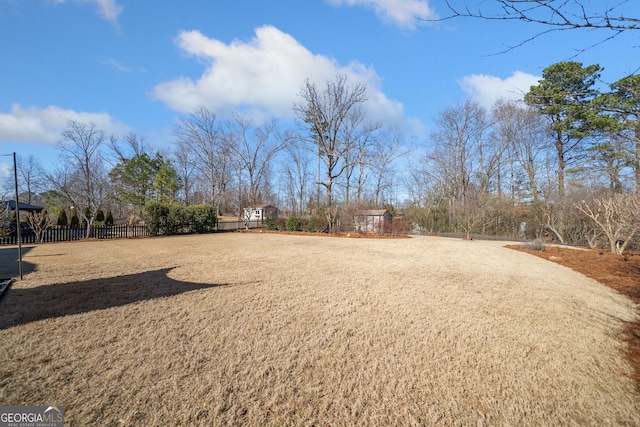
{"x": 358, "y": 161}
{"x": 386, "y": 150}
{"x": 552, "y": 217}
{"x": 522, "y": 132}
{"x": 30, "y": 175}
{"x": 202, "y": 136}
{"x": 5, "y": 212}
{"x": 184, "y": 162}
{"x": 82, "y": 178}
{"x": 254, "y": 148}
{"x": 297, "y": 172}
{"x": 464, "y": 162}
{"x": 553, "y": 15}
{"x": 335, "y": 124}
{"x": 134, "y": 143}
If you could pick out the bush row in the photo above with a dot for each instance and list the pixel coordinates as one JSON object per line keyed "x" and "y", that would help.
{"x": 319, "y": 224}
{"x": 177, "y": 219}
{"x": 294, "y": 223}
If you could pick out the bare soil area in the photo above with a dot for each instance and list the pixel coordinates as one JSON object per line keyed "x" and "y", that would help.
{"x": 271, "y": 329}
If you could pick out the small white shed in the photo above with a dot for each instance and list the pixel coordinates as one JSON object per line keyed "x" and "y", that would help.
{"x": 257, "y": 214}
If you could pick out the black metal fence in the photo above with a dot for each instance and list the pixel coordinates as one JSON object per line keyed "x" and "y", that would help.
{"x": 66, "y": 234}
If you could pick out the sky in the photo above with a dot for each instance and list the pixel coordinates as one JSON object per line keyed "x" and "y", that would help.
{"x": 139, "y": 66}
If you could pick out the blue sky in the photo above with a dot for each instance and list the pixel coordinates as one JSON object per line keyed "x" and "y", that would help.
{"x": 137, "y": 66}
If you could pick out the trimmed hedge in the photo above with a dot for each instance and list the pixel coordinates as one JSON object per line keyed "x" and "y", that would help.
{"x": 203, "y": 218}
{"x": 177, "y": 219}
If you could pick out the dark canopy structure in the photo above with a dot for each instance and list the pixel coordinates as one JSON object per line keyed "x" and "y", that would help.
{"x": 11, "y": 204}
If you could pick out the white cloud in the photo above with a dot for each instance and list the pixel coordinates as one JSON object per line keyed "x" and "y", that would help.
{"x": 108, "y": 9}
{"x": 264, "y": 76}
{"x": 44, "y": 126}
{"x": 404, "y": 13}
{"x": 486, "y": 90}
{"x": 6, "y": 170}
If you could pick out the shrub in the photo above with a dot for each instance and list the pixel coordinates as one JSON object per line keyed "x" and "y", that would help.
{"x": 156, "y": 217}
{"x": 100, "y": 216}
{"x": 316, "y": 224}
{"x": 176, "y": 219}
{"x": 272, "y": 224}
{"x": 203, "y": 218}
{"x": 535, "y": 245}
{"x": 293, "y": 223}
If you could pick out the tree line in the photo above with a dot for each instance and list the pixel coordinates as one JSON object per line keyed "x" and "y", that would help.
{"x": 546, "y": 166}
{"x": 564, "y": 163}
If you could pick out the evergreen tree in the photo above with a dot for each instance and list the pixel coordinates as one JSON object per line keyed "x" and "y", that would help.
{"x": 142, "y": 178}
{"x": 622, "y": 105}
{"x": 109, "y": 218}
{"x": 564, "y": 96}
{"x": 62, "y": 218}
{"x": 75, "y": 221}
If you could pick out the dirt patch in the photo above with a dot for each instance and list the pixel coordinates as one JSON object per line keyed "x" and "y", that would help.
{"x": 621, "y": 273}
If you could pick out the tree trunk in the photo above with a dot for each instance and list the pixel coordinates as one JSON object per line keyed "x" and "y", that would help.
{"x": 637, "y": 159}
{"x": 561, "y": 165}
{"x": 330, "y": 216}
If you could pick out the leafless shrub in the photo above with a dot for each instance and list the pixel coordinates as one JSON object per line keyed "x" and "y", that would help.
{"x": 535, "y": 245}
{"x": 617, "y": 217}
{"x": 39, "y": 222}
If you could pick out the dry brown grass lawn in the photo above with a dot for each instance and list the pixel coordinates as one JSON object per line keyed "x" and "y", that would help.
{"x": 267, "y": 329}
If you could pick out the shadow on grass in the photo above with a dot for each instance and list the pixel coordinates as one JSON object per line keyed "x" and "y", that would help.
{"x": 20, "y": 306}
{"x": 9, "y": 262}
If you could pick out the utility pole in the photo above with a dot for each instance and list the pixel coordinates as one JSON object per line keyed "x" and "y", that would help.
{"x": 18, "y": 230}
{"x": 17, "y": 208}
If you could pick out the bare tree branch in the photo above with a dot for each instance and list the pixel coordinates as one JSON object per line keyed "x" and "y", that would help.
{"x": 553, "y": 15}
{"x": 616, "y": 217}
{"x": 39, "y": 222}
